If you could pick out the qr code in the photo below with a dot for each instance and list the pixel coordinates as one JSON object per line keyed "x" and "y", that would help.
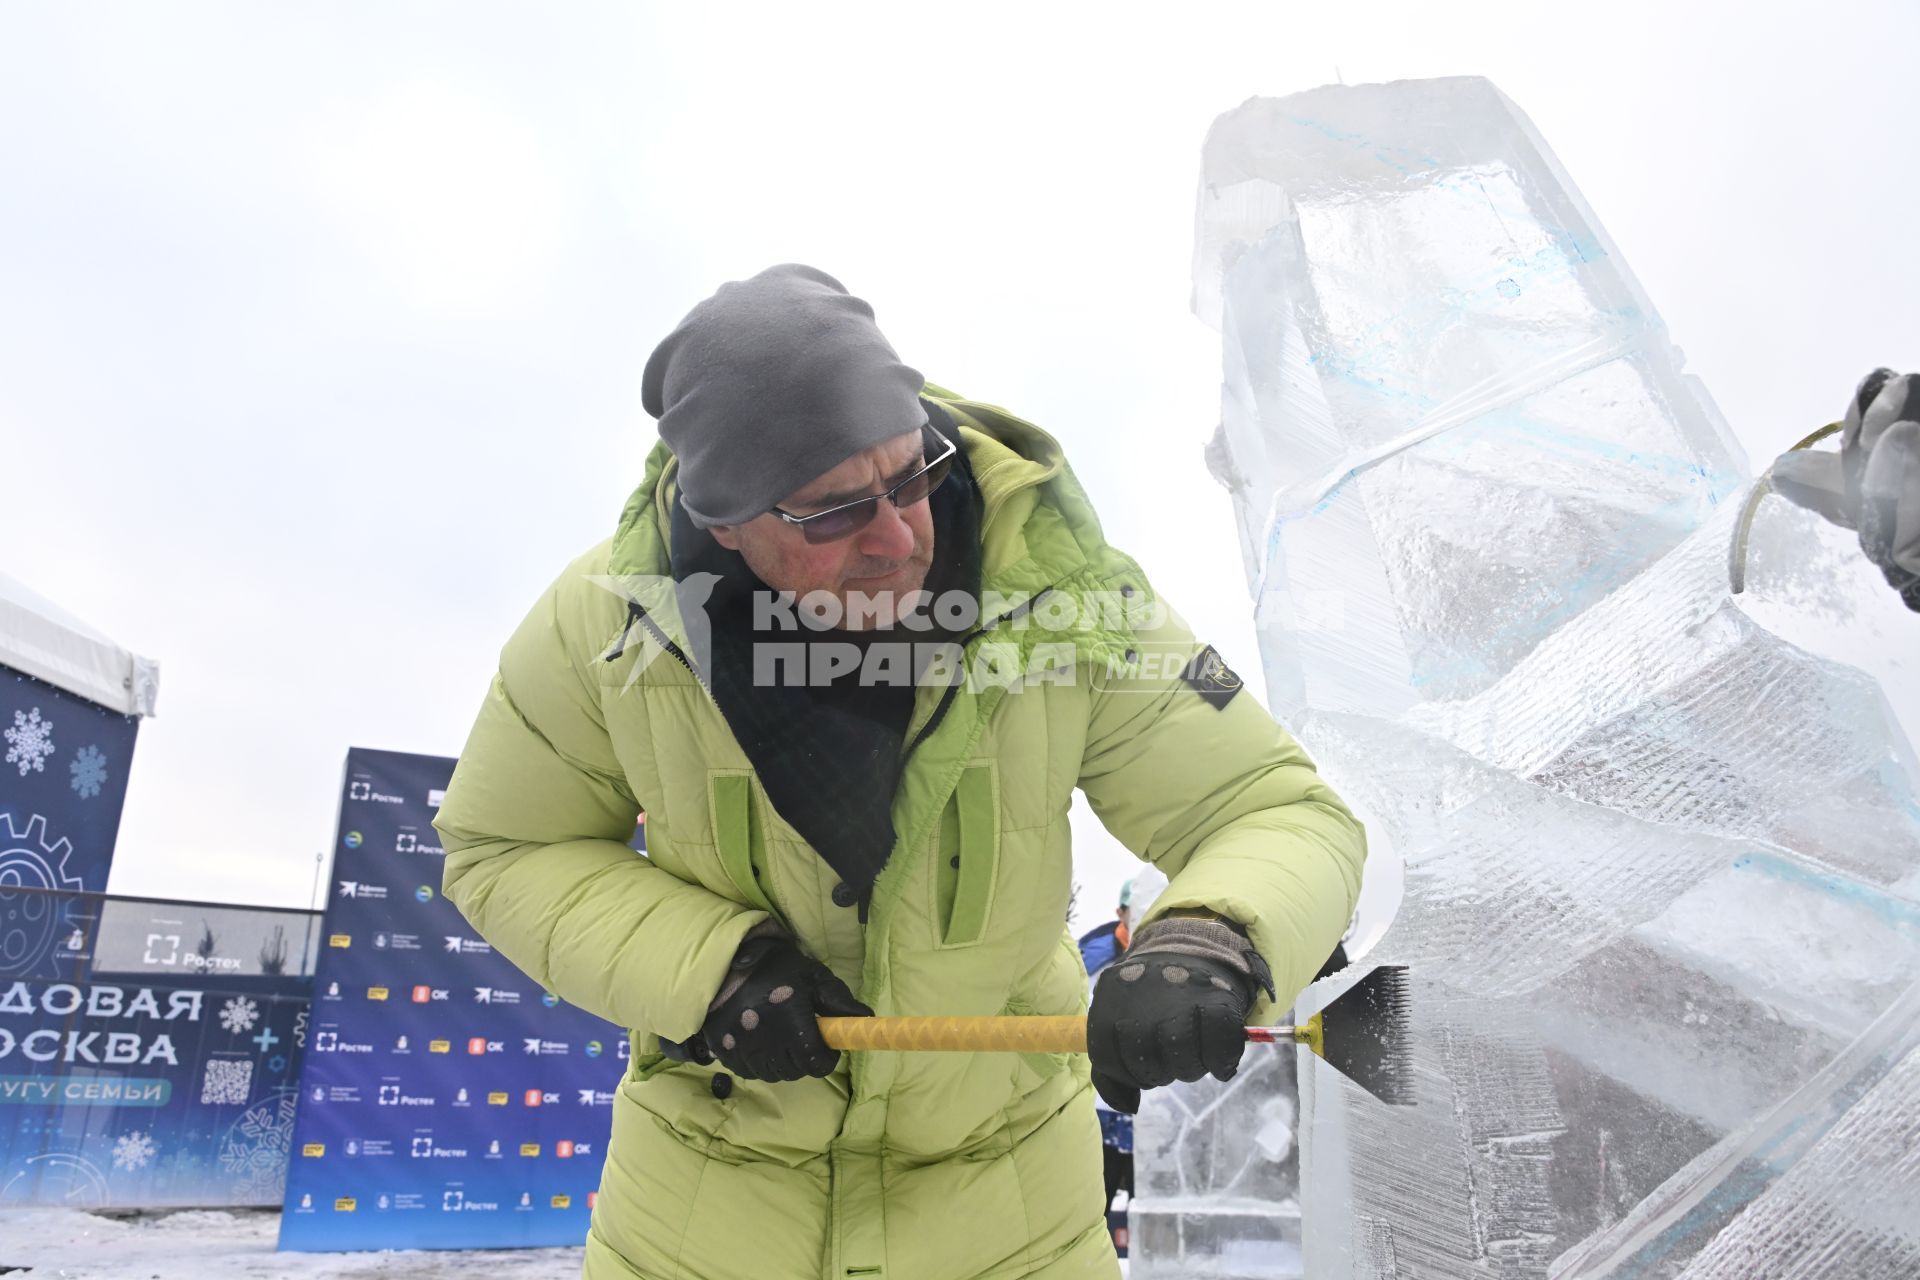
{"x": 228, "y": 1081}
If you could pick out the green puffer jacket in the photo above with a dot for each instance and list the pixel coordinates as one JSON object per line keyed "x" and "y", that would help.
{"x": 897, "y": 1166}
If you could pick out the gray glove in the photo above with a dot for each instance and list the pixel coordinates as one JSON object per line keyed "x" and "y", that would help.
{"x": 1872, "y": 485}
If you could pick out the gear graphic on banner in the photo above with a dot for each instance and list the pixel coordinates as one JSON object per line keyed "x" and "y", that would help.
{"x": 31, "y": 923}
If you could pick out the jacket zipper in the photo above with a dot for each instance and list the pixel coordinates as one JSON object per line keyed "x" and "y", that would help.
{"x": 946, "y": 698}
{"x": 636, "y": 614}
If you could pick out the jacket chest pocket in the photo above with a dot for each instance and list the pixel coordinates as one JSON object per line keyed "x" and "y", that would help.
{"x": 737, "y": 837}
{"x": 966, "y": 872}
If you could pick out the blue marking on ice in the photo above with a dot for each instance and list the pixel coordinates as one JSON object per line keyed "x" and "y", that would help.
{"x": 1361, "y": 142}
{"x": 1901, "y": 912}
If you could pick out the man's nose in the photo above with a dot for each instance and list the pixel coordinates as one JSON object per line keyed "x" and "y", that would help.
{"x": 888, "y": 535}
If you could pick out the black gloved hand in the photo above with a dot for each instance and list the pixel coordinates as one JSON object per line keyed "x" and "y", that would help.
{"x": 762, "y": 1027}
{"x": 1872, "y": 485}
{"x": 1173, "y": 1007}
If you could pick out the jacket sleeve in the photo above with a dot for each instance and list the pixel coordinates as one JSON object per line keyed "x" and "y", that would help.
{"x": 536, "y": 821}
{"x": 1222, "y": 799}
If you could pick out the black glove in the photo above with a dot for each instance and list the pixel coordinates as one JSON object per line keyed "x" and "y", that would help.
{"x": 1173, "y": 1007}
{"x": 1873, "y": 484}
{"x": 762, "y": 1027}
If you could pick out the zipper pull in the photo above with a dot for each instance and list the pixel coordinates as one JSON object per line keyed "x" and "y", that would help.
{"x": 620, "y": 645}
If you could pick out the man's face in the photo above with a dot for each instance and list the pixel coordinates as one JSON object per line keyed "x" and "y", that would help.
{"x": 884, "y": 561}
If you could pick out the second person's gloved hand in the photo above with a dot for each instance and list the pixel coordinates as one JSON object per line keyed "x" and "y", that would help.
{"x": 761, "y": 1027}
{"x": 1873, "y": 484}
{"x": 1173, "y": 1007}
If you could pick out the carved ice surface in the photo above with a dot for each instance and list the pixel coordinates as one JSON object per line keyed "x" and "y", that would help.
{"x": 1660, "y": 843}
{"x": 1216, "y": 1177}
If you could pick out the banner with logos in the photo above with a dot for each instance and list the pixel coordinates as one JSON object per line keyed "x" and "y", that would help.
{"x": 148, "y": 1049}
{"x": 63, "y": 780}
{"x": 447, "y": 1101}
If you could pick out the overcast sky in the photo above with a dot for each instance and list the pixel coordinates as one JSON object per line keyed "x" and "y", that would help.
{"x": 321, "y": 325}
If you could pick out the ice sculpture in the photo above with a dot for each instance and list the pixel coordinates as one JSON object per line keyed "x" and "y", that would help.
{"x": 1217, "y": 1175}
{"x": 1660, "y": 842}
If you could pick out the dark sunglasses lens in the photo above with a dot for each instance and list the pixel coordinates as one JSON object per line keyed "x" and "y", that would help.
{"x": 831, "y": 526}
{"x": 923, "y": 484}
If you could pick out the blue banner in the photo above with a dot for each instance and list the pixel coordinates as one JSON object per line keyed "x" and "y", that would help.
{"x": 63, "y": 779}
{"x": 447, "y": 1101}
{"x": 149, "y": 1050}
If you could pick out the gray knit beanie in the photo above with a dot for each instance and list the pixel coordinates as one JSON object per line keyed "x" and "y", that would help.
{"x": 771, "y": 382}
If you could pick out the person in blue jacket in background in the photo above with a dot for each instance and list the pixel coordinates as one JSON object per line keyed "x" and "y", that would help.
{"x": 1100, "y": 947}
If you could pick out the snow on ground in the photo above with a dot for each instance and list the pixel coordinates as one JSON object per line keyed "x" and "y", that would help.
{"x": 231, "y": 1245}
{"x": 237, "y": 1244}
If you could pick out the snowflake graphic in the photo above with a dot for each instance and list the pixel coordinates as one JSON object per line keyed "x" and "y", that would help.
{"x": 132, "y": 1150}
{"x": 89, "y": 770}
{"x": 30, "y": 741}
{"x": 227, "y": 1082}
{"x": 239, "y": 1014}
{"x": 257, "y": 1147}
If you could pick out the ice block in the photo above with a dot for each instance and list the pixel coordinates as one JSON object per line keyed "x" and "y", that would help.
{"x": 1660, "y": 843}
{"x": 1216, "y": 1176}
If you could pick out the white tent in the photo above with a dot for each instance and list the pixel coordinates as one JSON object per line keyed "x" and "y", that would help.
{"x": 45, "y": 641}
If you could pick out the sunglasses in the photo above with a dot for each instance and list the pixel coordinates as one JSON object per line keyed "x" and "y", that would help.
{"x": 850, "y": 518}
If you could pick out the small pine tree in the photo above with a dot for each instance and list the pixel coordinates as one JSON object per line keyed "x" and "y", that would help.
{"x": 273, "y": 953}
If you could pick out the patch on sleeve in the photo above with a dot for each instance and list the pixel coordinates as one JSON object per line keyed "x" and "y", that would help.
{"x": 1211, "y": 677}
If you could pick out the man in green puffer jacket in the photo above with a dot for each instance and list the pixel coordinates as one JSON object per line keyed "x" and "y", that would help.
{"x": 851, "y": 648}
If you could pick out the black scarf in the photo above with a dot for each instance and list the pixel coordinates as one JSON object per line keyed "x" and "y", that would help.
{"x": 829, "y": 756}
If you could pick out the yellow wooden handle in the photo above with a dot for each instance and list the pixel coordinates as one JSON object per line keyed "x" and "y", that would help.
{"x": 1050, "y": 1034}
